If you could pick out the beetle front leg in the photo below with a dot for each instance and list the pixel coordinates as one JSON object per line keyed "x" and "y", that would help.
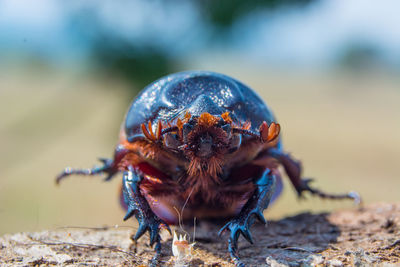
{"x": 293, "y": 170}
{"x": 109, "y": 167}
{"x": 138, "y": 206}
{"x": 253, "y": 209}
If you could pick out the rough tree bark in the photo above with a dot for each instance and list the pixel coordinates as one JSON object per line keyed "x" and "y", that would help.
{"x": 368, "y": 236}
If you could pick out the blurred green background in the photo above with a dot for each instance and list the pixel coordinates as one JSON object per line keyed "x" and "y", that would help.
{"x": 69, "y": 69}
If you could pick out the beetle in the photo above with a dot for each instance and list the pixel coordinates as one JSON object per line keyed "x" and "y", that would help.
{"x": 203, "y": 141}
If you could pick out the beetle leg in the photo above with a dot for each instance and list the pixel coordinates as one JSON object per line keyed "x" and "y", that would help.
{"x": 138, "y": 206}
{"x": 252, "y": 210}
{"x": 108, "y": 168}
{"x": 293, "y": 169}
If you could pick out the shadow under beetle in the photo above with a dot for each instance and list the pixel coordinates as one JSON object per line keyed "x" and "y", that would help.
{"x": 203, "y": 139}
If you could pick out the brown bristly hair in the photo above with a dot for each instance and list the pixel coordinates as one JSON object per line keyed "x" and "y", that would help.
{"x": 225, "y": 116}
{"x": 207, "y": 120}
{"x": 142, "y": 148}
{"x": 204, "y": 173}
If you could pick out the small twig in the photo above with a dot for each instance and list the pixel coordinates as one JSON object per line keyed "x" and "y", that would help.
{"x": 104, "y": 228}
{"x": 84, "y": 245}
{"x": 395, "y": 243}
{"x": 298, "y": 249}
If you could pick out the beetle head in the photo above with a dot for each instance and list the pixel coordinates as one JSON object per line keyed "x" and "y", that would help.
{"x": 203, "y": 140}
{"x": 203, "y": 136}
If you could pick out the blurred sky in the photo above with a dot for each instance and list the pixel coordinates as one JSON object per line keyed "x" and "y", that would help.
{"x": 315, "y": 35}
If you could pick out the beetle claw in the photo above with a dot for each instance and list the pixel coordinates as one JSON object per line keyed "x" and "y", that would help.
{"x": 105, "y": 160}
{"x": 141, "y": 230}
{"x": 240, "y": 225}
{"x": 129, "y": 213}
{"x": 222, "y": 230}
{"x": 153, "y": 236}
{"x": 109, "y": 177}
{"x": 259, "y": 215}
{"x": 246, "y": 233}
{"x": 152, "y": 224}
{"x": 165, "y": 226}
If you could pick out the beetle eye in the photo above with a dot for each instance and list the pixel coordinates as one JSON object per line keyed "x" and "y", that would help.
{"x": 171, "y": 140}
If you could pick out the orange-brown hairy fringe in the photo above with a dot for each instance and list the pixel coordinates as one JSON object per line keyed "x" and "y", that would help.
{"x": 148, "y": 132}
{"x": 246, "y": 125}
{"x": 243, "y": 126}
{"x": 196, "y": 168}
{"x": 200, "y": 181}
{"x": 141, "y": 148}
{"x": 225, "y": 116}
{"x": 130, "y": 159}
{"x": 207, "y": 120}
{"x": 203, "y": 173}
{"x": 187, "y": 116}
{"x": 179, "y": 123}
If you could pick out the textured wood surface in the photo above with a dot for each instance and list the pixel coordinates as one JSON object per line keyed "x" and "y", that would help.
{"x": 368, "y": 236}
